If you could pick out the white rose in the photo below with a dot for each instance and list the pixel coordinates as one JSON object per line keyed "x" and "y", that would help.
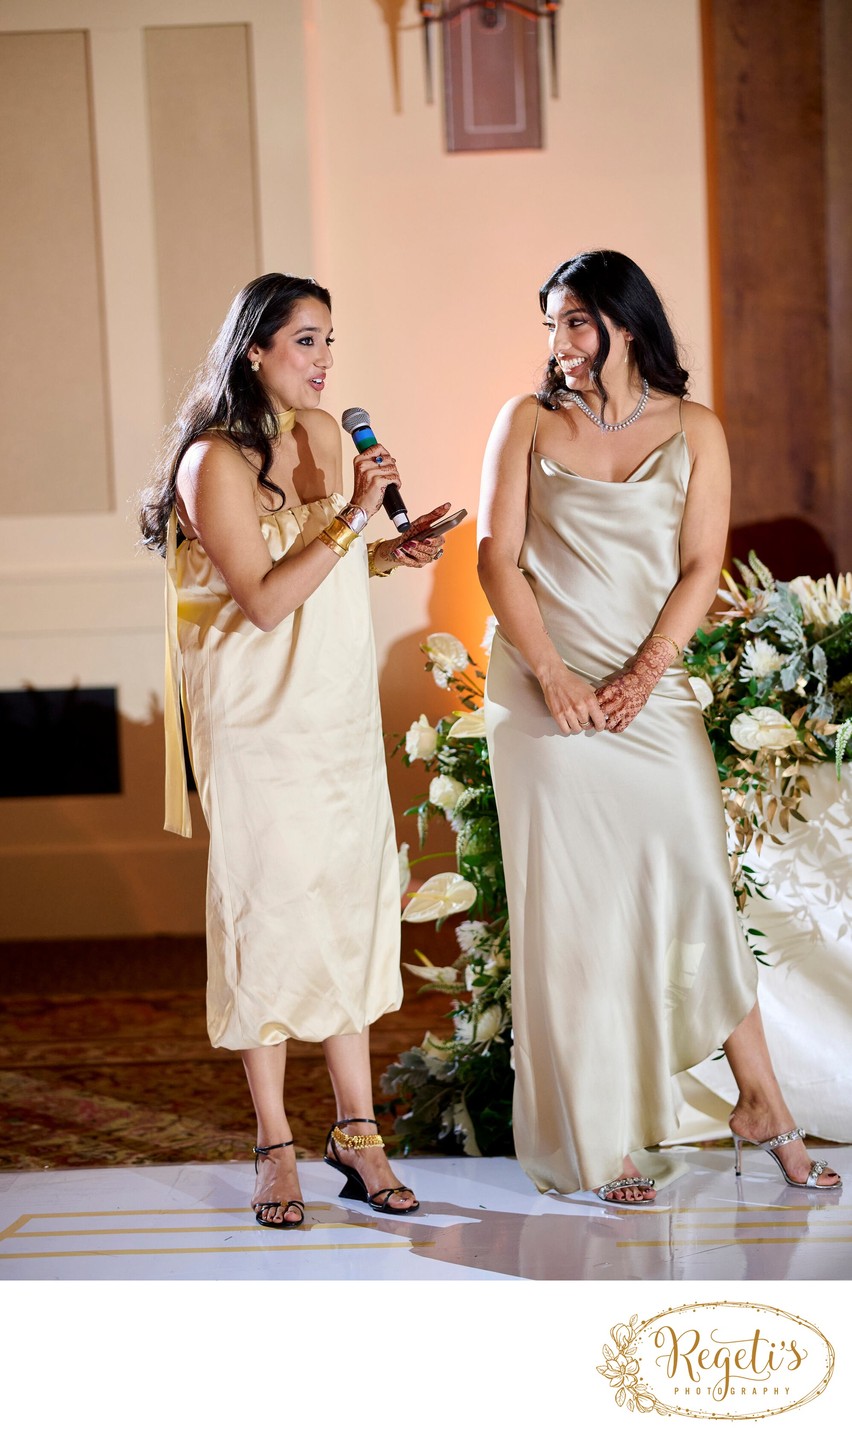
{"x": 762, "y": 728}
{"x": 421, "y": 741}
{"x": 702, "y": 691}
{"x": 438, "y": 898}
{"x": 445, "y": 793}
{"x": 488, "y": 637}
{"x": 448, "y": 655}
{"x": 469, "y": 726}
{"x": 404, "y": 870}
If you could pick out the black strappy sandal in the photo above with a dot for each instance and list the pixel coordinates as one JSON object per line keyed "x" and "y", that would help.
{"x": 261, "y": 1208}
{"x": 355, "y": 1186}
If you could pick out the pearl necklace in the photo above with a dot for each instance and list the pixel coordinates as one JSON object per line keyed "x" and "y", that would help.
{"x": 610, "y": 428}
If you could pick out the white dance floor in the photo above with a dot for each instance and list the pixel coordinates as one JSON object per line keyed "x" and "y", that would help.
{"x": 478, "y": 1219}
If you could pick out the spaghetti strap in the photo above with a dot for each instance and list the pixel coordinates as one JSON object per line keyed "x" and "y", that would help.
{"x": 680, "y": 415}
{"x": 535, "y": 426}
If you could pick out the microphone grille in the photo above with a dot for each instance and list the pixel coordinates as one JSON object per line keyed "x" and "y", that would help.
{"x": 352, "y": 419}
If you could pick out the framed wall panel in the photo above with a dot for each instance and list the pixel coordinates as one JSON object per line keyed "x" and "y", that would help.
{"x": 54, "y": 432}
{"x": 205, "y": 195}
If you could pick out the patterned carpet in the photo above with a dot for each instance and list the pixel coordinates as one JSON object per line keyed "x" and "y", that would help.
{"x": 93, "y": 1078}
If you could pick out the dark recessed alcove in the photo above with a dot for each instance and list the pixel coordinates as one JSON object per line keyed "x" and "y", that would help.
{"x": 58, "y": 741}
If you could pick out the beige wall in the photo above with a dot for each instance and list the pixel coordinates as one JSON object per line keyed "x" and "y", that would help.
{"x": 433, "y": 261}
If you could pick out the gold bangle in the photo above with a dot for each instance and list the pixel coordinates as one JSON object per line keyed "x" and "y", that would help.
{"x": 338, "y": 535}
{"x": 371, "y": 555}
{"x": 331, "y": 543}
{"x": 677, "y": 649}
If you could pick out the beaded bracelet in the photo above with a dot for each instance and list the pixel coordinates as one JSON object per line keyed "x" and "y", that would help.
{"x": 677, "y": 649}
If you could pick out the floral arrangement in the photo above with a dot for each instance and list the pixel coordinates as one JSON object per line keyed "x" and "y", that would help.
{"x": 773, "y": 676}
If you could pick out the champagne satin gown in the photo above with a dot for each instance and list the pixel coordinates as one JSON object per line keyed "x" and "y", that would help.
{"x": 285, "y": 733}
{"x": 629, "y": 963}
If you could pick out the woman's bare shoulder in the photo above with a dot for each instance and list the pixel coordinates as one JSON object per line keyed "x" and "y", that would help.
{"x": 699, "y": 421}
{"x": 213, "y": 456}
{"x": 321, "y": 427}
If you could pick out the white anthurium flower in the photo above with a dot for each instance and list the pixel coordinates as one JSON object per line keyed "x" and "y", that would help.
{"x": 421, "y": 741}
{"x": 463, "y": 1125}
{"x": 762, "y": 728}
{"x": 760, "y": 658}
{"x": 469, "y": 726}
{"x": 448, "y": 656}
{"x": 438, "y": 898}
{"x": 470, "y": 935}
{"x": 404, "y": 871}
{"x": 436, "y": 1048}
{"x": 490, "y": 630}
{"x": 702, "y": 691}
{"x": 432, "y": 974}
{"x": 445, "y": 793}
{"x": 435, "y": 1053}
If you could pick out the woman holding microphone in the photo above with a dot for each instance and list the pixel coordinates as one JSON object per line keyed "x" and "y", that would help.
{"x": 271, "y": 647}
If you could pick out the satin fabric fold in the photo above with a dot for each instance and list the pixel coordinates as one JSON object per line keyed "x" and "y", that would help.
{"x": 629, "y": 963}
{"x": 285, "y": 734}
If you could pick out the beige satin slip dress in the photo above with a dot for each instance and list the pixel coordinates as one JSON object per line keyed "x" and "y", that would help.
{"x": 285, "y": 733}
{"x": 629, "y": 962}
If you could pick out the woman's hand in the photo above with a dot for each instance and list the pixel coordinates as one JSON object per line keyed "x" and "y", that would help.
{"x": 407, "y": 548}
{"x": 375, "y": 469}
{"x": 571, "y": 701}
{"x": 624, "y": 697}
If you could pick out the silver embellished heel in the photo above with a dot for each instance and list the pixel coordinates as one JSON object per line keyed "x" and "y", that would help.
{"x": 818, "y": 1165}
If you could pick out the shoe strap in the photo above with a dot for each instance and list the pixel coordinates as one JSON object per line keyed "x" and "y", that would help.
{"x": 355, "y": 1140}
{"x": 783, "y": 1138}
{"x": 616, "y": 1183}
{"x": 260, "y": 1152}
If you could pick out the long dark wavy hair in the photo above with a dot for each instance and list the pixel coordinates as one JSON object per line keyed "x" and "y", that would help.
{"x": 608, "y": 283}
{"x": 227, "y": 394}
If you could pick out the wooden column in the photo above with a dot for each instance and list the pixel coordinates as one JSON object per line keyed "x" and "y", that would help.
{"x": 765, "y": 77}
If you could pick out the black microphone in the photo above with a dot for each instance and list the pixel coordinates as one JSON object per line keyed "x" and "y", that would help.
{"x": 357, "y": 423}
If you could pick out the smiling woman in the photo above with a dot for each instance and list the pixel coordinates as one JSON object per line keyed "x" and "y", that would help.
{"x": 602, "y": 534}
{"x": 268, "y": 622}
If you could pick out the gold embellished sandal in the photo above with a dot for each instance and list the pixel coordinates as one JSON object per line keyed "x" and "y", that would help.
{"x": 260, "y": 1209}
{"x": 818, "y": 1165}
{"x": 355, "y": 1186}
{"x": 624, "y": 1182}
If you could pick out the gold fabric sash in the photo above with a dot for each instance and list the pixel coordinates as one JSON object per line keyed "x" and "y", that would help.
{"x": 178, "y": 817}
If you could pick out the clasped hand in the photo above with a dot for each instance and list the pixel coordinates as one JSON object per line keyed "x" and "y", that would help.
{"x": 576, "y": 706}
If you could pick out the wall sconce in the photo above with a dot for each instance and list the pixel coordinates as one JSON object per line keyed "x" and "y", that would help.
{"x": 492, "y": 81}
